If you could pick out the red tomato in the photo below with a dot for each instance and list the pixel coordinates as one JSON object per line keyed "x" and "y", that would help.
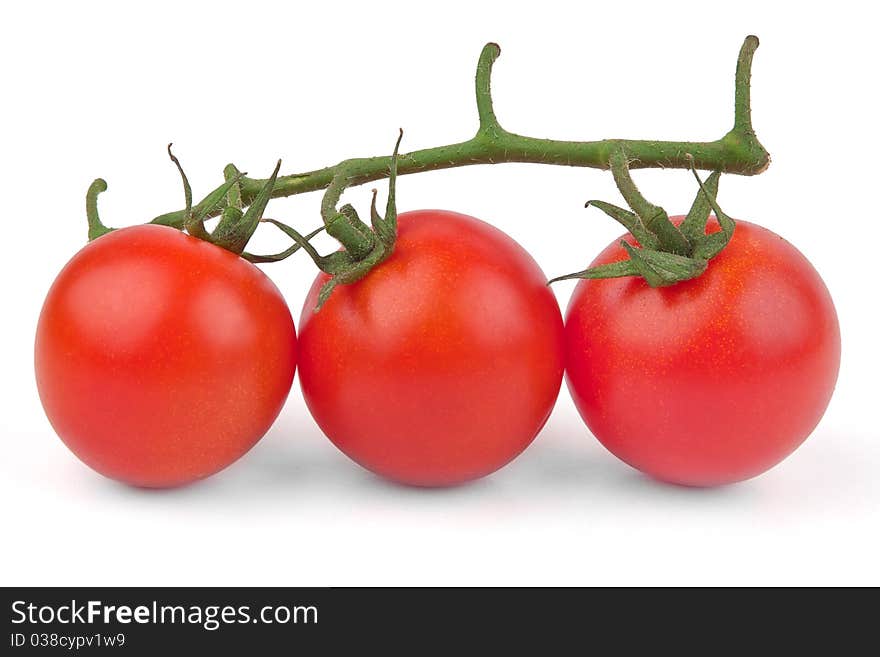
{"x": 713, "y": 380}
{"x": 160, "y": 358}
{"x": 444, "y": 362}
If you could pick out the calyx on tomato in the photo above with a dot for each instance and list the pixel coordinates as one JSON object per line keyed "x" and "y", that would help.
{"x": 365, "y": 247}
{"x": 236, "y": 225}
{"x": 667, "y": 254}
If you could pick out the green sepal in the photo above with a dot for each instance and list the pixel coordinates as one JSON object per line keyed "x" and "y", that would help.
{"x": 380, "y": 227}
{"x": 668, "y": 235}
{"x": 617, "y": 269}
{"x": 390, "y": 222}
{"x": 216, "y": 199}
{"x": 332, "y": 264}
{"x": 233, "y": 195}
{"x": 277, "y": 257}
{"x": 628, "y": 220}
{"x": 187, "y": 190}
{"x": 350, "y": 213}
{"x": 236, "y": 228}
{"x": 352, "y": 233}
{"x": 337, "y": 263}
{"x": 385, "y": 227}
{"x": 230, "y": 219}
{"x": 325, "y": 292}
{"x": 694, "y": 225}
{"x": 193, "y": 223}
{"x": 352, "y": 272}
{"x": 709, "y": 246}
{"x": 660, "y": 269}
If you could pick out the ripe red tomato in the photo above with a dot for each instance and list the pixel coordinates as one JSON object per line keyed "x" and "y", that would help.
{"x": 160, "y": 358}
{"x": 712, "y": 380}
{"x": 444, "y": 362}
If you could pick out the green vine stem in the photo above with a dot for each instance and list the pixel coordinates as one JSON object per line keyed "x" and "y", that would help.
{"x": 738, "y": 151}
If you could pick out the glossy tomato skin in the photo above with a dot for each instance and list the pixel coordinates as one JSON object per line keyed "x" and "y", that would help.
{"x": 713, "y": 380}
{"x": 161, "y": 359}
{"x": 444, "y": 362}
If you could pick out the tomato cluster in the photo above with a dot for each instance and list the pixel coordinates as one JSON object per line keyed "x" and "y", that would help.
{"x": 161, "y": 359}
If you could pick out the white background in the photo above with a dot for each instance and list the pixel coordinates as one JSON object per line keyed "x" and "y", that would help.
{"x": 98, "y": 89}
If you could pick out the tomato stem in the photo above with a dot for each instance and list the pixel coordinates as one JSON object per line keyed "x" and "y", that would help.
{"x": 738, "y": 151}
{"x": 96, "y": 228}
